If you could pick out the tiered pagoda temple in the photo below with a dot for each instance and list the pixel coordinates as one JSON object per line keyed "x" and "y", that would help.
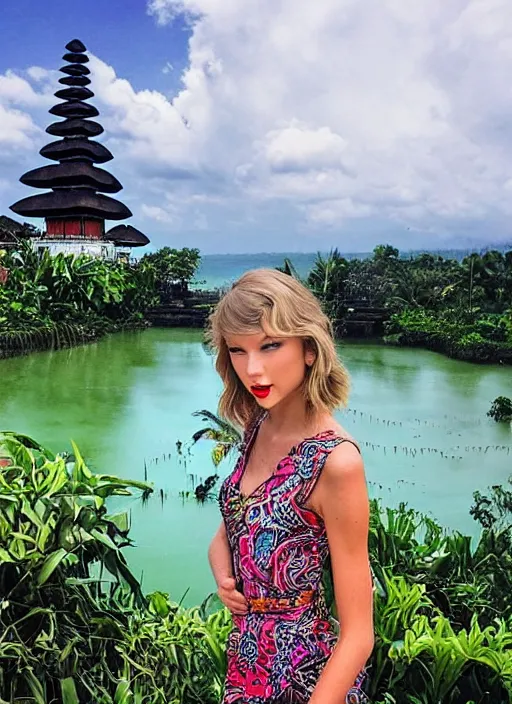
{"x": 75, "y": 209}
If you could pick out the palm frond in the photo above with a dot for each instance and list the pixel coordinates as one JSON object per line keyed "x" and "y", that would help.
{"x": 207, "y": 434}
{"x": 221, "y": 423}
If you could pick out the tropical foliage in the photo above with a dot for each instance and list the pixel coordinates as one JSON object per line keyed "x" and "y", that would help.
{"x": 74, "y": 624}
{"x": 486, "y": 337}
{"x": 462, "y": 309}
{"x": 54, "y": 301}
{"x": 289, "y": 269}
{"x": 51, "y": 301}
{"x": 443, "y": 611}
{"x": 494, "y": 511}
{"x": 173, "y": 269}
{"x": 76, "y": 627}
{"x": 328, "y": 281}
{"x": 226, "y": 437}
{"x": 501, "y": 409}
{"x": 42, "y": 287}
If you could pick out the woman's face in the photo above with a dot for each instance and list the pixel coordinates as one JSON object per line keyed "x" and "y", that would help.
{"x": 270, "y": 368}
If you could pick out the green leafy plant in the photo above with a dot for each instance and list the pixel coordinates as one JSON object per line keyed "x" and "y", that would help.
{"x": 501, "y": 409}
{"x": 74, "y": 624}
{"x": 226, "y": 438}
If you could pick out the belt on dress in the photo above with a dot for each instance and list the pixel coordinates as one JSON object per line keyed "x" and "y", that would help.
{"x": 264, "y": 604}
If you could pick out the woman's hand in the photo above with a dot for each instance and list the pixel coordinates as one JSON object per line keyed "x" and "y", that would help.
{"x": 219, "y": 554}
{"x": 231, "y": 597}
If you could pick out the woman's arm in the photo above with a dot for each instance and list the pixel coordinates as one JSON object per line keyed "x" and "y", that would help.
{"x": 219, "y": 556}
{"x": 342, "y": 498}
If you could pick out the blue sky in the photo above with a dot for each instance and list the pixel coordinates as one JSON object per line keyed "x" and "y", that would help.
{"x": 280, "y": 125}
{"x": 121, "y": 32}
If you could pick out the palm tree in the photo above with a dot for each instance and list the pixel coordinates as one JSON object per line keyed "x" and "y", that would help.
{"x": 419, "y": 288}
{"x": 328, "y": 275}
{"x": 485, "y": 275}
{"x": 221, "y": 431}
{"x": 328, "y": 281}
{"x": 288, "y": 268}
{"x": 226, "y": 438}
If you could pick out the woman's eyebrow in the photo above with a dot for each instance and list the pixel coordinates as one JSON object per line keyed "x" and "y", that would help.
{"x": 261, "y": 342}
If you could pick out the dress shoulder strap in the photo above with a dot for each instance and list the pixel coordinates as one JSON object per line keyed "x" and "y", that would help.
{"x": 312, "y": 457}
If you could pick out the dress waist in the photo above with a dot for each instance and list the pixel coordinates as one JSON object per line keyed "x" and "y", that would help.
{"x": 277, "y": 604}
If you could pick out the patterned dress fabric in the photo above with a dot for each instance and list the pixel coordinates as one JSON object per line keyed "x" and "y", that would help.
{"x": 279, "y": 547}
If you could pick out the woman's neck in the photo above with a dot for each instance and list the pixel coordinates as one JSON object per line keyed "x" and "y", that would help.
{"x": 290, "y": 418}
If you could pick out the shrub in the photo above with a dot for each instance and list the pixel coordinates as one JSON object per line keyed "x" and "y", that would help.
{"x": 501, "y": 409}
{"x": 75, "y": 626}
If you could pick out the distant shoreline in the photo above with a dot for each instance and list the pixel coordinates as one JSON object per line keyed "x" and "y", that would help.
{"x": 448, "y": 253}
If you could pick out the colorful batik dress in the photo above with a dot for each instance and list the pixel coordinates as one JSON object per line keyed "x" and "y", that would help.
{"x": 276, "y": 652}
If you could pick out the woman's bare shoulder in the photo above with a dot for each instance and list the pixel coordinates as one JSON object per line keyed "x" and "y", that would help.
{"x": 343, "y": 473}
{"x": 342, "y": 432}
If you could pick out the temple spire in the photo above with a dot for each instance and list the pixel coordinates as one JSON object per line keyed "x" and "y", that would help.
{"x": 75, "y": 207}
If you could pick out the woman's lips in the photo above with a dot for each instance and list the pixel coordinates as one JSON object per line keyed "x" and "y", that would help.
{"x": 261, "y": 391}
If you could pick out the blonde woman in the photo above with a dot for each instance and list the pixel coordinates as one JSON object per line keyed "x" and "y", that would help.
{"x": 297, "y": 496}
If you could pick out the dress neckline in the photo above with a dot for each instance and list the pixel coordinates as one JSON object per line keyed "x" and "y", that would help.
{"x": 294, "y": 450}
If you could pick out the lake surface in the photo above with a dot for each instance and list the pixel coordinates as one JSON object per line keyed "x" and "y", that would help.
{"x": 127, "y": 399}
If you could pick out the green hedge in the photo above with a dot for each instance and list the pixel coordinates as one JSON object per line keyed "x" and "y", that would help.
{"x": 457, "y": 339}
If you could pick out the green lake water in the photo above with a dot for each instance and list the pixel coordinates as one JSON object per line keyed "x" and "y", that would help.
{"x": 127, "y": 399}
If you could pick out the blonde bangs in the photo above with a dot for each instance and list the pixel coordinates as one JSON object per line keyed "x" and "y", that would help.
{"x": 239, "y": 315}
{"x": 270, "y": 301}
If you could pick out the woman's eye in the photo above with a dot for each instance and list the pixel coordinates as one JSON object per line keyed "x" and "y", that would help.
{"x": 272, "y": 346}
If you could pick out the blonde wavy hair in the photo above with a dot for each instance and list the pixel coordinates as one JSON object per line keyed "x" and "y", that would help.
{"x": 268, "y": 300}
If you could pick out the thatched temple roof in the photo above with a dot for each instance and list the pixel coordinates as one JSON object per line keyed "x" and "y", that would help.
{"x": 72, "y": 173}
{"x": 126, "y": 236}
{"x": 63, "y": 149}
{"x": 76, "y": 184}
{"x": 73, "y": 202}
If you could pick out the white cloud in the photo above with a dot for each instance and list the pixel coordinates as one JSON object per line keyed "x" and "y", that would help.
{"x": 155, "y": 212}
{"x": 19, "y": 105}
{"x": 165, "y": 11}
{"x": 145, "y": 122}
{"x": 296, "y": 148}
{"x": 37, "y": 73}
{"x": 16, "y": 129}
{"x": 16, "y": 90}
{"x": 355, "y": 108}
{"x": 333, "y": 212}
{"x": 381, "y": 116}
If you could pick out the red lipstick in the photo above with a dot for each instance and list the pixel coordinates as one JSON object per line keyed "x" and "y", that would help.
{"x": 261, "y": 391}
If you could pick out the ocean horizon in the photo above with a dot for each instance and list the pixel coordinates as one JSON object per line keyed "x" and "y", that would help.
{"x": 220, "y": 270}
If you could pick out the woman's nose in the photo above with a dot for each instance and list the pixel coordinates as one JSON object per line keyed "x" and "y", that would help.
{"x": 254, "y": 365}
